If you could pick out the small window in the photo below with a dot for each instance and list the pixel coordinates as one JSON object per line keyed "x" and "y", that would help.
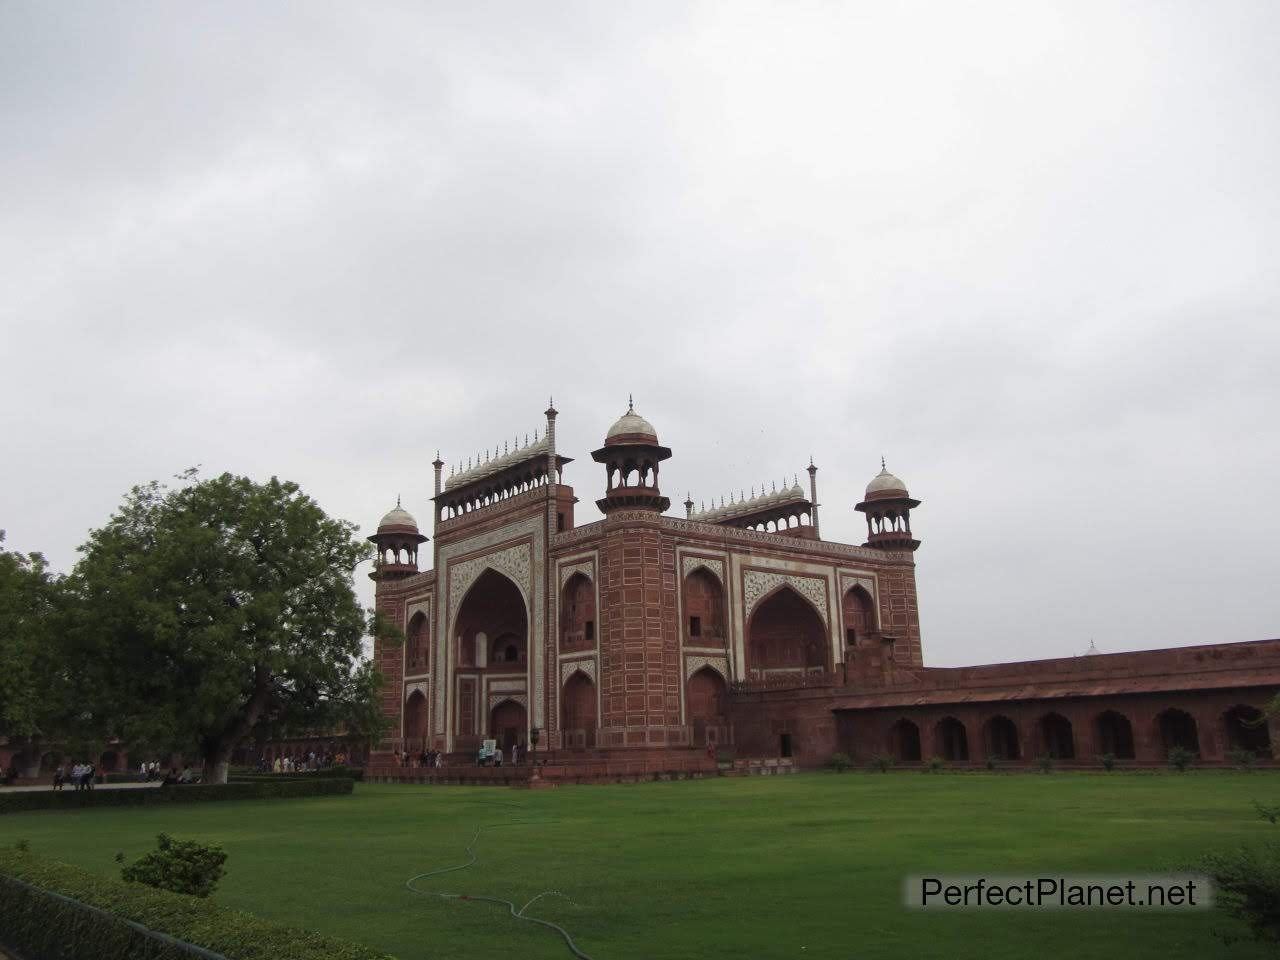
{"x": 695, "y": 626}
{"x": 784, "y": 744}
{"x": 512, "y": 654}
{"x": 560, "y": 523}
{"x": 851, "y": 637}
{"x": 590, "y": 630}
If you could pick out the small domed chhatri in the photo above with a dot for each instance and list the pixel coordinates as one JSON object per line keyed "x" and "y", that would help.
{"x": 631, "y": 428}
{"x": 397, "y": 519}
{"x": 884, "y": 484}
{"x": 397, "y": 541}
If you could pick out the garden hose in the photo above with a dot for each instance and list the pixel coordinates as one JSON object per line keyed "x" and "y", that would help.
{"x": 517, "y": 914}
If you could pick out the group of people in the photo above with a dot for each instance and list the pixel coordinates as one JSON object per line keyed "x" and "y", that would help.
{"x": 494, "y": 759}
{"x": 82, "y": 776}
{"x": 431, "y": 759}
{"x": 304, "y": 762}
{"x": 149, "y": 770}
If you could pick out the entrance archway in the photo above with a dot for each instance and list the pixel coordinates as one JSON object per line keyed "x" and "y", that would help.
{"x": 904, "y": 741}
{"x": 493, "y": 607}
{"x": 786, "y": 635}
{"x": 578, "y": 712}
{"x": 1247, "y": 730}
{"x": 707, "y": 706}
{"x": 1002, "y": 739}
{"x": 508, "y": 723}
{"x": 1115, "y": 735}
{"x": 415, "y": 719}
{"x": 1056, "y": 737}
{"x": 952, "y": 739}
{"x": 1178, "y": 728}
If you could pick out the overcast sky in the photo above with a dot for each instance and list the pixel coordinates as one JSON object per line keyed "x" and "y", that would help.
{"x": 1030, "y": 253}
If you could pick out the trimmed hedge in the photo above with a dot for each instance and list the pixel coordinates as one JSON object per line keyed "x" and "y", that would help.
{"x": 68, "y": 799}
{"x": 39, "y": 925}
{"x": 250, "y": 776}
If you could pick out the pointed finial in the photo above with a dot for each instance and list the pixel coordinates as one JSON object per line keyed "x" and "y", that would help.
{"x": 882, "y": 466}
{"x": 504, "y": 448}
{"x": 397, "y": 501}
{"x": 702, "y": 506}
{"x": 631, "y": 405}
{"x": 775, "y": 488}
{"x": 753, "y": 491}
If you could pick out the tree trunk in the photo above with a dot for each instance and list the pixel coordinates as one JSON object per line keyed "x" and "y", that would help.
{"x": 215, "y": 771}
{"x": 217, "y": 748}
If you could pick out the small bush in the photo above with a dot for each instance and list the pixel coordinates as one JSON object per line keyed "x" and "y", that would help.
{"x": 1247, "y": 885}
{"x": 1108, "y": 761}
{"x": 839, "y": 762}
{"x": 1180, "y": 758}
{"x": 936, "y": 765}
{"x": 1045, "y": 763}
{"x": 182, "y": 866}
{"x": 992, "y": 761}
{"x": 1243, "y": 759}
{"x": 24, "y": 846}
{"x": 882, "y": 762}
{"x": 1269, "y": 813}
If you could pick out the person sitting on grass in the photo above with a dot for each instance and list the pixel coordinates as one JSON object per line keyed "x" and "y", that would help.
{"x": 170, "y": 778}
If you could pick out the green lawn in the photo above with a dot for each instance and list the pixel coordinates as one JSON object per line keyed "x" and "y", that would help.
{"x": 802, "y": 866}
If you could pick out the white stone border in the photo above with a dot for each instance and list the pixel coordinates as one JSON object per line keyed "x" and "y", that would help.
{"x": 570, "y": 667}
{"x": 693, "y": 664}
{"x": 758, "y": 583}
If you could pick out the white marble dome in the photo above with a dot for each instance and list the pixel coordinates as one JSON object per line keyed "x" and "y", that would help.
{"x": 884, "y": 481}
{"x": 631, "y": 423}
{"x": 398, "y": 517}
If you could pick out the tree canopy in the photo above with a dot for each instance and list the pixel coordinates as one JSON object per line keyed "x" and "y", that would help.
{"x": 33, "y": 681}
{"x": 209, "y": 609}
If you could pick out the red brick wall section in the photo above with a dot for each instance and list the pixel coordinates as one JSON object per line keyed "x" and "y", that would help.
{"x": 639, "y": 651}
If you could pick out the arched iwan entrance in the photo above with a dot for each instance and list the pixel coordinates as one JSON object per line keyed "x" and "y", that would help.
{"x": 578, "y": 712}
{"x": 489, "y": 639}
{"x": 786, "y": 636}
{"x": 707, "y": 706}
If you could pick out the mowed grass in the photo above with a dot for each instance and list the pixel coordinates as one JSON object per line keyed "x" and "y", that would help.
{"x": 802, "y": 866}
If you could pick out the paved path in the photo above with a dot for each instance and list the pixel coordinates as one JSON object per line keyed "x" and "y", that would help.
{"x": 69, "y": 788}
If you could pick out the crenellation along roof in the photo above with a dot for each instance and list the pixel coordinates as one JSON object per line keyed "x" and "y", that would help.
{"x": 751, "y": 505}
{"x": 522, "y": 454}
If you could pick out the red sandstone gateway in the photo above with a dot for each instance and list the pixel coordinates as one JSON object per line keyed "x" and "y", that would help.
{"x": 644, "y": 643}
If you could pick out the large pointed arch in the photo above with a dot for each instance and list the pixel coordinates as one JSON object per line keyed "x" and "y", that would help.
{"x": 785, "y": 635}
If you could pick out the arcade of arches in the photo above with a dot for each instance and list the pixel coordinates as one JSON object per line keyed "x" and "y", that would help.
{"x": 1079, "y": 735}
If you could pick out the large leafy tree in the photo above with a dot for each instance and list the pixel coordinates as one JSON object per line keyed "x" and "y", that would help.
{"x": 35, "y": 684}
{"x": 220, "y": 606}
